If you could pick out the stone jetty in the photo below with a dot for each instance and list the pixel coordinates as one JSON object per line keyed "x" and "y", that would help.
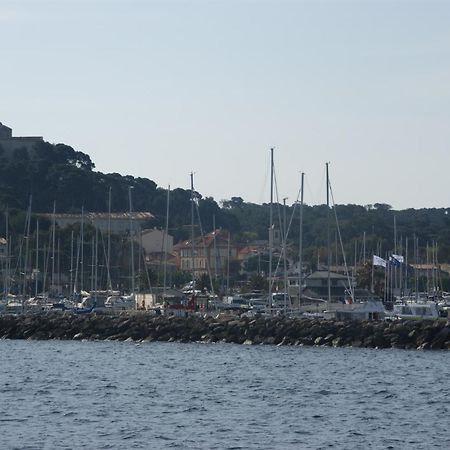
{"x": 433, "y": 335}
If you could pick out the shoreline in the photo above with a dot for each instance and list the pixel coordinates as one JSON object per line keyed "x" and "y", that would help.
{"x": 139, "y": 327}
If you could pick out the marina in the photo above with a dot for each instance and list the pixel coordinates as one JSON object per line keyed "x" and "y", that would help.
{"x": 224, "y": 225}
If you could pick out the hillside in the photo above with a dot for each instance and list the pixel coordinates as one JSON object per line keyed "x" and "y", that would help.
{"x": 58, "y": 173}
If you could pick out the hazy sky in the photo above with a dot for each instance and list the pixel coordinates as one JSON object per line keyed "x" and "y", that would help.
{"x": 158, "y": 89}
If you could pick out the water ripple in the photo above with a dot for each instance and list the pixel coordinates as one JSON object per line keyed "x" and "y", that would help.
{"x": 111, "y": 395}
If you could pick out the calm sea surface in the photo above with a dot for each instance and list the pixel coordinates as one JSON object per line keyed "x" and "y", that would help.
{"x": 111, "y": 395}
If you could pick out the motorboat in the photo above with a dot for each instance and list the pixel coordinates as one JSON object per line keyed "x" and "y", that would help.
{"x": 121, "y": 302}
{"x": 363, "y": 310}
{"x": 416, "y": 310}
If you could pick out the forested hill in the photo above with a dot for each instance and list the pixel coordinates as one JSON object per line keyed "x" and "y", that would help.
{"x": 61, "y": 174}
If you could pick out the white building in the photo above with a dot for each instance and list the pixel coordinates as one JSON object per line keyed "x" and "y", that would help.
{"x": 156, "y": 241}
{"x": 117, "y": 222}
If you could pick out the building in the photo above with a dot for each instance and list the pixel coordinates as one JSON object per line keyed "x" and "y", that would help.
{"x": 156, "y": 241}
{"x": 155, "y": 244}
{"x": 212, "y": 251}
{"x": 316, "y": 286}
{"x": 9, "y": 143}
{"x": 118, "y": 223}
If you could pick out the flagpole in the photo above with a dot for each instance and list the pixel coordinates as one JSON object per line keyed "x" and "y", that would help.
{"x": 373, "y": 270}
{"x": 386, "y": 281}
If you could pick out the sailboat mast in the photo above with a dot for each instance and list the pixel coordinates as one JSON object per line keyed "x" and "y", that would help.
{"x": 108, "y": 262}
{"x": 82, "y": 250}
{"x": 53, "y": 246}
{"x": 300, "y": 245}
{"x": 131, "y": 240}
{"x": 328, "y": 236}
{"x": 192, "y": 233}
{"x": 406, "y": 265}
{"x": 416, "y": 270}
{"x": 77, "y": 260}
{"x": 96, "y": 266}
{"x": 8, "y": 254}
{"x": 214, "y": 247}
{"x": 270, "y": 228}
{"x": 27, "y": 239}
{"x": 228, "y": 264}
{"x": 71, "y": 264}
{"x": 165, "y": 238}
{"x": 284, "y": 257}
{"x": 37, "y": 260}
{"x": 92, "y": 261}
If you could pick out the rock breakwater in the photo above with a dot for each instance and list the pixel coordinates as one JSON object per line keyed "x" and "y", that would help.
{"x": 260, "y": 330}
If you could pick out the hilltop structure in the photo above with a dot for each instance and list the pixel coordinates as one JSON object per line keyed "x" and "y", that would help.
{"x": 10, "y": 143}
{"x": 117, "y": 222}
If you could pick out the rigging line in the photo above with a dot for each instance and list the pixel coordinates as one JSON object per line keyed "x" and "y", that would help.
{"x": 287, "y": 233}
{"x": 208, "y": 268}
{"x": 309, "y": 191}
{"x": 105, "y": 254}
{"x": 262, "y": 193}
{"x": 320, "y": 201}
{"x": 293, "y": 212}
{"x": 77, "y": 263}
{"x": 46, "y": 262}
{"x": 279, "y": 222}
{"x": 284, "y": 237}
{"x": 19, "y": 259}
{"x": 147, "y": 274}
{"x": 342, "y": 245}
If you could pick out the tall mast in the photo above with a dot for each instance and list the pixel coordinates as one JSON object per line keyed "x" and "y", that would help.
{"x": 53, "y": 246}
{"x": 284, "y": 256}
{"x": 36, "y": 273}
{"x": 82, "y": 250}
{"x": 192, "y": 233}
{"x": 108, "y": 262}
{"x": 228, "y": 264}
{"x": 96, "y": 266}
{"x": 131, "y": 240}
{"x": 165, "y": 239}
{"x": 58, "y": 263}
{"x": 270, "y": 228}
{"x": 214, "y": 247}
{"x": 394, "y": 285}
{"x": 300, "y": 245}
{"x": 406, "y": 265}
{"x": 71, "y": 265}
{"x": 364, "y": 247}
{"x": 8, "y": 252}
{"x": 416, "y": 261}
{"x": 92, "y": 261}
{"x": 27, "y": 239}
{"x": 328, "y": 236}
{"x": 77, "y": 260}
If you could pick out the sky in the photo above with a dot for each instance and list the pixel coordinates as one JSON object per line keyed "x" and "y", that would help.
{"x": 160, "y": 89}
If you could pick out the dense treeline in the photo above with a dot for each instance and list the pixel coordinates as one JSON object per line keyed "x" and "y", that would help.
{"x": 58, "y": 173}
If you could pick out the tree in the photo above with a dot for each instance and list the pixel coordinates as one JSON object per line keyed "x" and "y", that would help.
{"x": 258, "y": 282}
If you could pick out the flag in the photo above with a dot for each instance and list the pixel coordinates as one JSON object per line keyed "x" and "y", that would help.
{"x": 399, "y": 258}
{"x": 393, "y": 261}
{"x": 377, "y": 261}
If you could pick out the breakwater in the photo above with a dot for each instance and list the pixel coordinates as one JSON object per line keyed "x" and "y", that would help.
{"x": 259, "y": 330}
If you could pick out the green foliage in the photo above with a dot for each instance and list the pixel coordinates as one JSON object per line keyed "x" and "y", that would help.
{"x": 258, "y": 283}
{"x": 60, "y": 173}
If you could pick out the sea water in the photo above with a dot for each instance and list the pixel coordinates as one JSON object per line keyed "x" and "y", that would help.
{"x": 118, "y": 395}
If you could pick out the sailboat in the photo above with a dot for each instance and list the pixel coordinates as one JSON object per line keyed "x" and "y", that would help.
{"x": 353, "y": 309}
